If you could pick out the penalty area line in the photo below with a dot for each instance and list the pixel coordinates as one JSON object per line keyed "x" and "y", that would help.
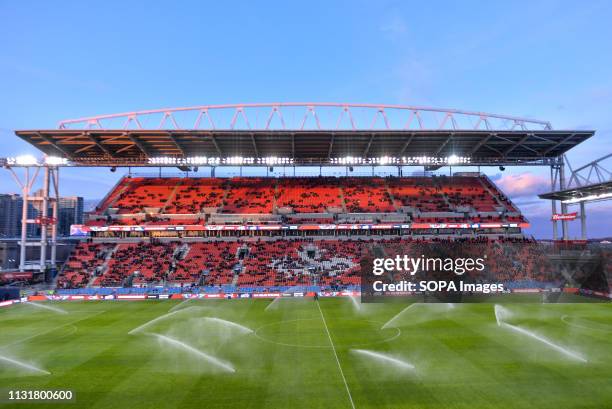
{"x": 348, "y": 391}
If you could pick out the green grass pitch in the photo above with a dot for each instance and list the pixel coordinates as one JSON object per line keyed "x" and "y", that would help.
{"x": 306, "y": 354}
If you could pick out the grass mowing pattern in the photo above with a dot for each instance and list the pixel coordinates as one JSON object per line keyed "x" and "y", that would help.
{"x": 462, "y": 358}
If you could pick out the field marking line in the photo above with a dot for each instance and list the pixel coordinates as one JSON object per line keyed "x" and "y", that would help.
{"x": 348, "y": 391}
{"x": 565, "y": 317}
{"x": 50, "y": 330}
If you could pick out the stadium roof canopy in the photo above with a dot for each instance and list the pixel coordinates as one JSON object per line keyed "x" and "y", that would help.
{"x": 588, "y": 193}
{"x": 304, "y": 133}
{"x": 589, "y": 183}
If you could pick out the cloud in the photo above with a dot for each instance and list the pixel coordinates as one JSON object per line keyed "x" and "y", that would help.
{"x": 523, "y": 184}
{"x": 542, "y": 209}
{"x": 528, "y": 202}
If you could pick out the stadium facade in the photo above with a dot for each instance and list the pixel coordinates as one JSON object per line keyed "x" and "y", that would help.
{"x": 246, "y": 232}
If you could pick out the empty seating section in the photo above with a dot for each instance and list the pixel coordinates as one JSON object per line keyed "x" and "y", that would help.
{"x": 165, "y": 200}
{"x": 213, "y": 260}
{"x": 110, "y": 198}
{"x": 507, "y": 259}
{"x": 145, "y": 193}
{"x": 525, "y": 262}
{"x": 293, "y": 263}
{"x": 261, "y": 260}
{"x": 190, "y": 267}
{"x": 82, "y": 264}
{"x": 368, "y": 195}
{"x": 280, "y": 263}
{"x": 147, "y": 262}
{"x": 249, "y": 195}
{"x": 420, "y": 193}
{"x": 468, "y": 191}
{"x": 308, "y": 195}
{"x": 329, "y": 262}
{"x": 196, "y": 195}
{"x": 215, "y": 263}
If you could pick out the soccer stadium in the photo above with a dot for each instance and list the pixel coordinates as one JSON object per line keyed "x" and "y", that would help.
{"x": 296, "y": 205}
{"x": 184, "y": 288}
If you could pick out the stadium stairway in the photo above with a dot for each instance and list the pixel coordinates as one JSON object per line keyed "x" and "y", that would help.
{"x": 342, "y": 199}
{"x": 223, "y": 200}
{"x": 244, "y": 251}
{"x": 488, "y": 183}
{"x": 114, "y": 194}
{"x": 103, "y": 266}
{"x": 171, "y": 197}
{"x": 495, "y": 195}
{"x": 390, "y": 193}
{"x": 274, "y": 197}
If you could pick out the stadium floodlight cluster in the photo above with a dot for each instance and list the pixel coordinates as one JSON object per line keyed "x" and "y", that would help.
{"x": 344, "y": 161}
{"x": 452, "y": 160}
{"x": 30, "y": 160}
{"x": 215, "y": 161}
{"x": 589, "y": 198}
{"x": 411, "y": 160}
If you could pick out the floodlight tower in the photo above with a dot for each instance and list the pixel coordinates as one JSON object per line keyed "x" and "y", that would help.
{"x": 558, "y": 182}
{"x": 40, "y": 200}
{"x": 589, "y": 183}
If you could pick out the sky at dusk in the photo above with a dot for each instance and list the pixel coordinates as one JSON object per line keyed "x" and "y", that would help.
{"x": 548, "y": 60}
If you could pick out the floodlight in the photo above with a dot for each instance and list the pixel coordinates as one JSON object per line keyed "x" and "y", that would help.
{"x": 55, "y": 160}
{"x": 26, "y": 160}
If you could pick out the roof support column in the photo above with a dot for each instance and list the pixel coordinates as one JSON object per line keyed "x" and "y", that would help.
{"x": 583, "y": 221}
{"x": 43, "y": 223}
{"x": 25, "y": 194}
{"x": 55, "y": 210}
{"x": 564, "y": 226}
{"x": 553, "y": 183}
